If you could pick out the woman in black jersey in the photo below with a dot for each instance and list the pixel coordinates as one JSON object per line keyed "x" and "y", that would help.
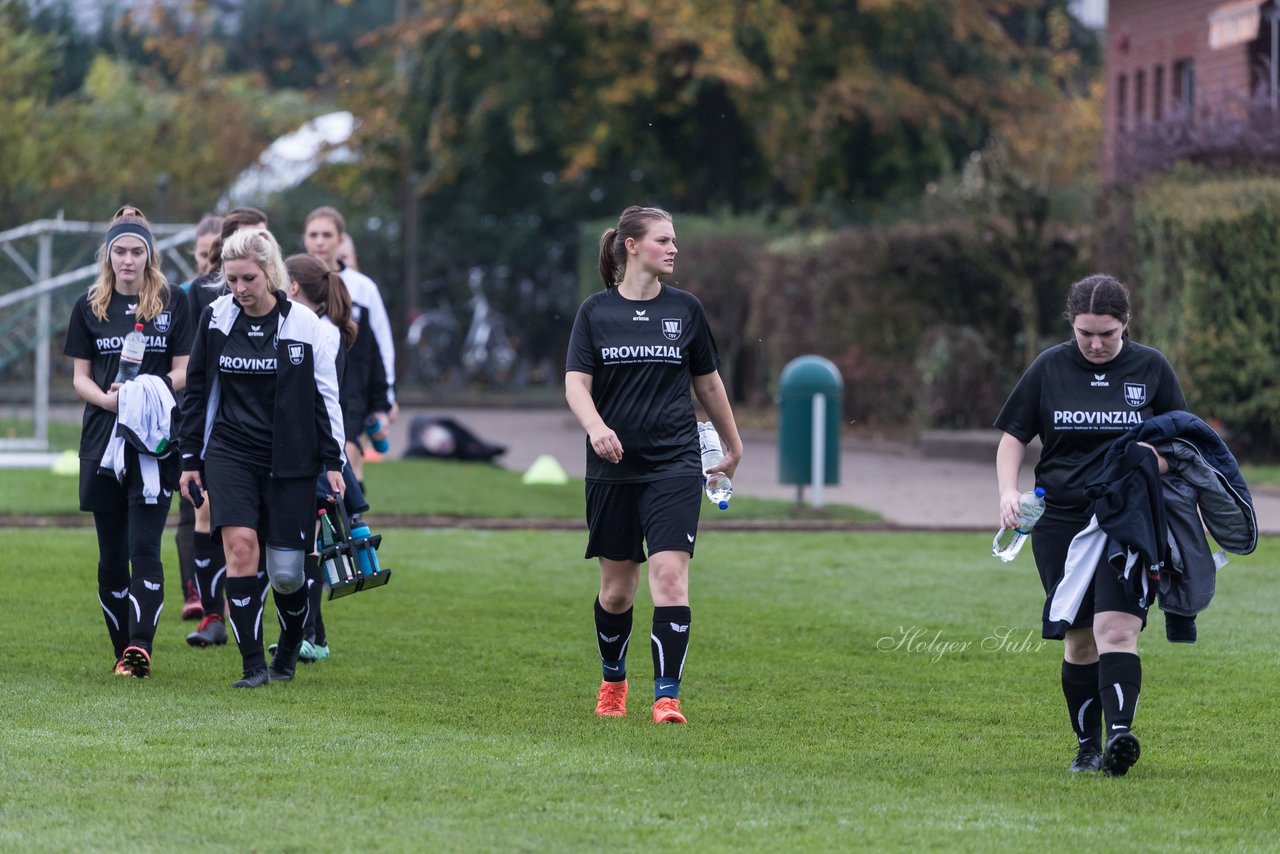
{"x": 261, "y": 421}
{"x": 634, "y": 350}
{"x": 1078, "y": 397}
{"x": 128, "y": 492}
{"x": 312, "y": 284}
{"x": 371, "y": 369}
{"x": 207, "y": 231}
{"x": 210, "y": 571}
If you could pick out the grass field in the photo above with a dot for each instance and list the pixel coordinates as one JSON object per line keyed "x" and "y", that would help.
{"x": 419, "y": 487}
{"x": 456, "y": 712}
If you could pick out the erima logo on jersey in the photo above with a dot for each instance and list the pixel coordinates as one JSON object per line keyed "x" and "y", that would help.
{"x": 1100, "y": 381}
{"x": 641, "y": 315}
{"x": 649, "y": 351}
{"x": 256, "y": 331}
{"x": 239, "y": 364}
{"x": 131, "y": 308}
{"x": 1119, "y": 417}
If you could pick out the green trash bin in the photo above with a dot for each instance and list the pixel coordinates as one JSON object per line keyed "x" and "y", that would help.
{"x": 803, "y": 380}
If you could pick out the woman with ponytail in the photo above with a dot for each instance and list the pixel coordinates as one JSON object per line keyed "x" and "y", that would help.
{"x": 635, "y": 349}
{"x": 312, "y": 284}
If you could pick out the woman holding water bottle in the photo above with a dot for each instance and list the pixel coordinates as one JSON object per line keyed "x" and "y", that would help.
{"x": 634, "y": 349}
{"x": 130, "y": 507}
{"x": 1078, "y": 397}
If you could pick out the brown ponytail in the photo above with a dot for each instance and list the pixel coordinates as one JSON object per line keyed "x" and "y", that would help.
{"x": 326, "y": 290}
{"x": 633, "y": 224}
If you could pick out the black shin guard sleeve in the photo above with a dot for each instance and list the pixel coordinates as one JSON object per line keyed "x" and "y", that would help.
{"x": 670, "y": 640}
{"x": 146, "y": 601}
{"x": 245, "y": 611}
{"x": 1080, "y": 689}
{"x": 613, "y": 632}
{"x": 1119, "y": 682}
{"x": 113, "y": 596}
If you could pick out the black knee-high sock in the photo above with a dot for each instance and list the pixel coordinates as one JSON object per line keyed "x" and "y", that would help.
{"x": 613, "y": 632}
{"x": 1080, "y": 688}
{"x": 245, "y": 610}
{"x": 291, "y": 609}
{"x": 670, "y": 642}
{"x": 314, "y": 628}
{"x": 184, "y": 539}
{"x": 146, "y": 598}
{"x": 210, "y": 572}
{"x": 113, "y": 595}
{"x": 1119, "y": 681}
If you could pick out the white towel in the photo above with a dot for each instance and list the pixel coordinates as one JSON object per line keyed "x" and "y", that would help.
{"x": 144, "y": 408}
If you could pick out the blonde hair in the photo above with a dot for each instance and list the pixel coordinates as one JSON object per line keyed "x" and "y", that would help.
{"x": 259, "y": 246}
{"x": 151, "y": 296}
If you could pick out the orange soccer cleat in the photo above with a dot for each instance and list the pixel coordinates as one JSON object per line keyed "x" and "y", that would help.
{"x": 611, "y": 700}
{"x": 666, "y": 710}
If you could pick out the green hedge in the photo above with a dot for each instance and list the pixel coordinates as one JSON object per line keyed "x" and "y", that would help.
{"x": 1209, "y": 266}
{"x": 910, "y": 313}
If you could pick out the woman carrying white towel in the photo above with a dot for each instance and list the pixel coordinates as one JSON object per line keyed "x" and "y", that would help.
{"x": 129, "y": 517}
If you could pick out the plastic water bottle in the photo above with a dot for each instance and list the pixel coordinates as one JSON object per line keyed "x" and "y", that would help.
{"x": 719, "y": 488}
{"x": 1030, "y": 509}
{"x": 371, "y": 426}
{"x": 367, "y": 557}
{"x": 135, "y": 347}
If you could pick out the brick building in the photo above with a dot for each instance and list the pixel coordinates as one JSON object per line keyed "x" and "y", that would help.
{"x": 1176, "y": 61}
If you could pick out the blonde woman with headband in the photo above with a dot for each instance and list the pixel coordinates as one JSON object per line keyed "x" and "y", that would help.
{"x": 130, "y": 499}
{"x": 261, "y": 420}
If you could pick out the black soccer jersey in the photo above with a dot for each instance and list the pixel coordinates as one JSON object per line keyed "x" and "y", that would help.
{"x": 99, "y": 341}
{"x": 641, "y": 355}
{"x": 1077, "y": 408}
{"x": 202, "y": 291}
{"x": 247, "y": 375}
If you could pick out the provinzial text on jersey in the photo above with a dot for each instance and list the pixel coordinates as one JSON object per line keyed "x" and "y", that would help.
{"x": 116, "y": 342}
{"x": 1117, "y": 416}
{"x": 241, "y": 363}
{"x": 646, "y": 351}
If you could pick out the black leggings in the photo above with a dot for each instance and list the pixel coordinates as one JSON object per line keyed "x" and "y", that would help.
{"x": 130, "y": 535}
{"x": 131, "y": 602}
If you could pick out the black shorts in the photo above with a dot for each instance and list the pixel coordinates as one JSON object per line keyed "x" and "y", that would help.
{"x": 245, "y": 495}
{"x": 1049, "y": 542}
{"x": 623, "y": 518}
{"x": 102, "y": 493}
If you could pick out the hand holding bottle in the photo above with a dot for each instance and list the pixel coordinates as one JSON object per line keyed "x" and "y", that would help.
{"x": 1031, "y": 506}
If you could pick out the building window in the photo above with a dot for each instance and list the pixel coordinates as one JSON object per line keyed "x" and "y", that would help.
{"x": 1139, "y": 96}
{"x": 1157, "y": 94}
{"x": 1184, "y": 85}
{"x": 1122, "y": 100}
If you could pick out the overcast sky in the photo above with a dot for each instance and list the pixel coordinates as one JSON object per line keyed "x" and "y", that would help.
{"x": 1091, "y": 12}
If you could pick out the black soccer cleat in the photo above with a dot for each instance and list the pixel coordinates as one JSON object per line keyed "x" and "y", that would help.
{"x": 285, "y": 661}
{"x": 138, "y": 660}
{"x": 1088, "y": 758}
{"x": 211, "y": 632}
{"x": 255, "y": 678}
{"x": 1121, "y": 754}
